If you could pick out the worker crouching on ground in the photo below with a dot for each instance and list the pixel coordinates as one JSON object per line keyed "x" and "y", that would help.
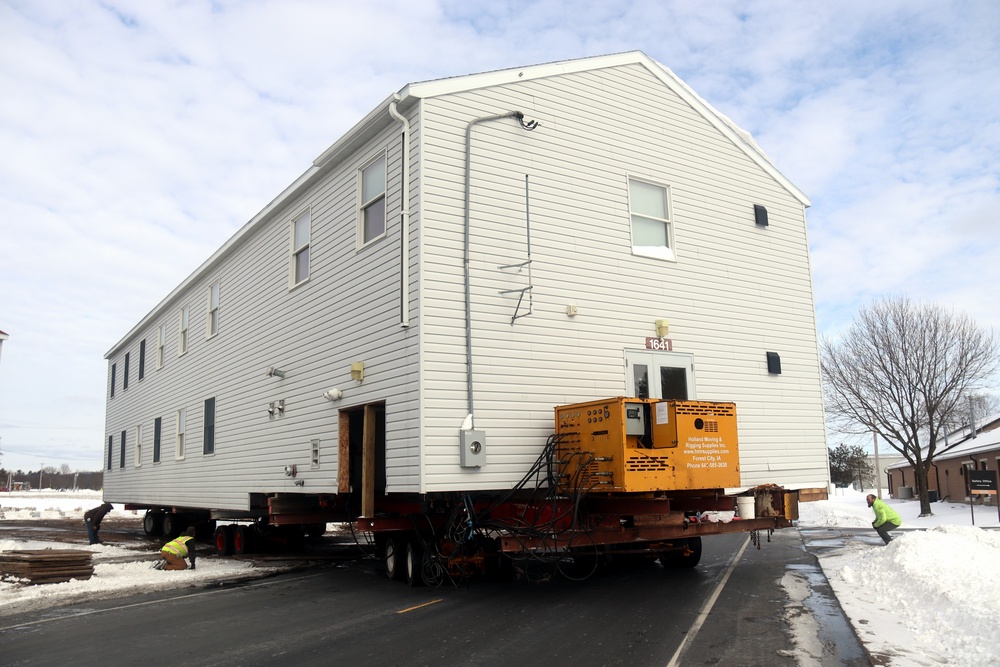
{"x": 93, "y": 518}
{"x": 175, "y": 551}
{"x": 886, "y": 518}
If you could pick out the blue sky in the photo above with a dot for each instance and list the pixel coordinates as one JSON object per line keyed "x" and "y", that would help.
{"x": 136, "y": 137}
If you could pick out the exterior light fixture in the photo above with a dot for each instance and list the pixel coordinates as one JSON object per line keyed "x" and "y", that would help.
{"x": 273, "y": 372}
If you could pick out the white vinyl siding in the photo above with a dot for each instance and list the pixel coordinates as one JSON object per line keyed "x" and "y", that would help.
{"x": 734, "y": 291}
{"x": 350, "y": 312}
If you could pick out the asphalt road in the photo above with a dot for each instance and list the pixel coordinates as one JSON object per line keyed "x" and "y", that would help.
{"x": 769, "y": 608}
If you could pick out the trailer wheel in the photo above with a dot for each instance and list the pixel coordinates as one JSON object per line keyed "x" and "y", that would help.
{"x": 394, "y": 553}
{"x": 152, "y": 523}
{"x": 414, "y": 563}
{"x": 314, "y": 530}
{"x": 173, "y": 525}
{"x": 687, "y": 556}
{"x": 224, "y": 540}
{"x": 242, "y": 539}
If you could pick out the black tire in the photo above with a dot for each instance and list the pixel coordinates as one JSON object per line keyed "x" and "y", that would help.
{"x": 414, "y": 569}
{"x": 173, "y": 525}
{"x": 394, "y": 556}
{"x": 315, "y": 530}
{"x": 688, "y": 555}
{"x": 152, "y": 523}
{"x": 242, "y": 539}
{"x": 224, "y": 540}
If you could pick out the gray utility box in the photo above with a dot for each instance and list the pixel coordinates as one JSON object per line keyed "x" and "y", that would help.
{"x": 473, "y": 452}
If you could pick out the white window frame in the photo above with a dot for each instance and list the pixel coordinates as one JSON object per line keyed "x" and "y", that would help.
{"x": 183, "y": 322}
{"x": 179, "y": 438}
{"x": 365, "y": 203}
{"x": 161, "y": 345}
{"x": 658, "y": 252}
{"x": 298, "y": 247}
{"x": 138, "y": 446}
{"x": 212, "y": 308}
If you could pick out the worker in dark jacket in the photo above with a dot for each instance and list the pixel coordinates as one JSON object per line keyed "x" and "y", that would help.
{"x": 886, "y": 518}
{"x": 175, "y": 551}
{"x": 93, "y": 518}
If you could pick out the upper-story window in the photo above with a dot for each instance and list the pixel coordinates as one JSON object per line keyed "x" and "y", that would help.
{"x": 125, "y": 373}
{"x": 649, "y": 208}
{"x": 142, "y": 358}
{"x": 301, "y": 230}
{"x": 208, "y": 446}
{"x": 212, "y": 326}
{"x": 138, "y": 446}
{"x": 114, "y": 368}
{"x": 161, "y": 345}
{"x": 157, "y": 436}
{"x": 181, "y": 432}
{"x": 182, "y": 330}
{"x": 371, "y": 217}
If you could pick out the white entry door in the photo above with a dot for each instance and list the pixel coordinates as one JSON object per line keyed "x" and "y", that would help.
{"x": 650, "y": 374}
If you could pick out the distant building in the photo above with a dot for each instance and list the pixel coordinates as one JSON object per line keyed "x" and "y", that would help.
{"x": 966, "y": 449}
{"x": 3, "y": 337}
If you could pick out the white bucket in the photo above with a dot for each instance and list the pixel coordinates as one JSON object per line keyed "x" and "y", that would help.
{"x": 745, "y": 507}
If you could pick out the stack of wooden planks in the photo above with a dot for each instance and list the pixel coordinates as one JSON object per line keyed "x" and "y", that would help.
{"x": 46, "y": 566}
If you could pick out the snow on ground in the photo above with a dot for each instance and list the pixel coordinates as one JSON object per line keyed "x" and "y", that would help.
{"x": 117, "y": 570}
{"x": 932, "y": 595}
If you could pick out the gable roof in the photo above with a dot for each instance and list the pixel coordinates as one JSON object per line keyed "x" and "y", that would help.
{"x": 985, "y": 439}
{"x": 409, "y": 95}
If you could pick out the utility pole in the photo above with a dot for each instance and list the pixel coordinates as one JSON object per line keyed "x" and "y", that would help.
{"x": 40, "y": 467}
{"x": 878, "y": 468}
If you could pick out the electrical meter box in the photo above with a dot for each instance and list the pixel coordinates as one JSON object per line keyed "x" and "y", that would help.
{"x": 620, "y": 445}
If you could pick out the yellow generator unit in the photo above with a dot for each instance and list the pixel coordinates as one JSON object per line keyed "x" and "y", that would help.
{"x": 631, "y": 445}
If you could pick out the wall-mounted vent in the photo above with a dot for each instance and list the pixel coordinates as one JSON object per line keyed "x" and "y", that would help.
{"x": 760, "y": 215}
{"x": 773, "y": 363}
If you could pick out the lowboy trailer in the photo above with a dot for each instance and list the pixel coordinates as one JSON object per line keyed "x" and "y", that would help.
{"x": 619, "y": 479}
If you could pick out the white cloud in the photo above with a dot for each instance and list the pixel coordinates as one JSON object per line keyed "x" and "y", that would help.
{"x": 137, "y": 137}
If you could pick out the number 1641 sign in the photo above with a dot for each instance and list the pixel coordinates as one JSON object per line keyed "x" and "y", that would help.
{"x": 664, "y": 344}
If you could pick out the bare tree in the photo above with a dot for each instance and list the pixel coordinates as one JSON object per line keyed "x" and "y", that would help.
{"x": 905, "y": 371}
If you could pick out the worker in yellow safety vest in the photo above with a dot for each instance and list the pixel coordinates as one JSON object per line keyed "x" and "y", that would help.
{"x": 175, "y": 551}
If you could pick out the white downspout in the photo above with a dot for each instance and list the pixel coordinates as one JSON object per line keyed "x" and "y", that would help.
{"x": 404, "y": 215}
